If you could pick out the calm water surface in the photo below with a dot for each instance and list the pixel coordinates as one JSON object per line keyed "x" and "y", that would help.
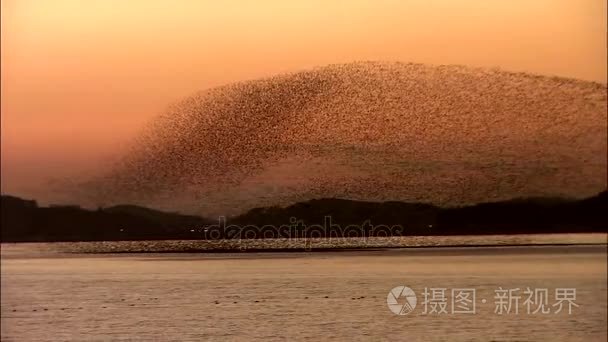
{"x": 54, "y": 296}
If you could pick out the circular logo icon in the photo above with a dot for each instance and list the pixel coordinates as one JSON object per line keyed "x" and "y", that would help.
{"x": 401, "y": 300}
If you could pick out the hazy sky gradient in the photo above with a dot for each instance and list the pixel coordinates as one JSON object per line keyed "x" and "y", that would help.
{"x": 79, "y": 78}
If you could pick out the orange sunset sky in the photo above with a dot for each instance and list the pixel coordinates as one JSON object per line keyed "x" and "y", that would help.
{"x": 80, "y": 78}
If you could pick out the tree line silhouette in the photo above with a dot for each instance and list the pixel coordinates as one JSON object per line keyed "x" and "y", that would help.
{"x": 25, "y": 221}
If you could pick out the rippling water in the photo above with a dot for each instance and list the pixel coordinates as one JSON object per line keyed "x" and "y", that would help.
{"x": 49, "y": 295}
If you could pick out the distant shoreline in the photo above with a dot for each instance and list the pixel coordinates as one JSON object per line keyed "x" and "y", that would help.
{"x": 24, "y": 221}
{"x": 357, "y": 249}
{"x": 409, "y": 244}
{"x": 414, "y": 252}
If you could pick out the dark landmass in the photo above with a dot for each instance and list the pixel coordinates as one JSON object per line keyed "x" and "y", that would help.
{"x": 24, "y": 221}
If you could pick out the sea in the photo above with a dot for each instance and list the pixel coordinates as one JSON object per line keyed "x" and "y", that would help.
{"x": 546, "y": 288}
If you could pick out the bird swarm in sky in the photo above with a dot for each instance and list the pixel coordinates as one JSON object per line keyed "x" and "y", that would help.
{"x": 447, "y": 135}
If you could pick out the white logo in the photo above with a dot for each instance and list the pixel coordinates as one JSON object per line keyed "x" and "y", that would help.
{"x": 408, "y": 305}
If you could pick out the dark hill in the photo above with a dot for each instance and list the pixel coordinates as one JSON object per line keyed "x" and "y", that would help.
{"x": 23, "y": 220}
{"x": 518, "y": 216}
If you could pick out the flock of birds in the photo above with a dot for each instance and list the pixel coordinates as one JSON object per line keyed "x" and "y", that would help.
{"x": 448, "y": 135}
{"x": 143, "y": 302}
